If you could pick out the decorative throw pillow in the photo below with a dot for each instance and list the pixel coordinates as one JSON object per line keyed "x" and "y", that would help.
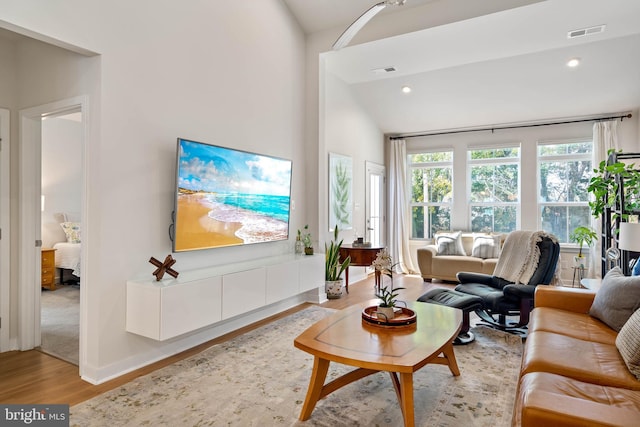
{"x": 636, "y": 268}
{"x": 628, "y": 343}
{"x": 617, "y": 298}
{"x": 450, "y": 243}
{"x": 72, "y": 231}
{"x": 486, "y": 246}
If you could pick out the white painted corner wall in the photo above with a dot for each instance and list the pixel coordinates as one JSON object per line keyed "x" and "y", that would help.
{"x": 347, "y": 130}
{"x": 229, "y": 73}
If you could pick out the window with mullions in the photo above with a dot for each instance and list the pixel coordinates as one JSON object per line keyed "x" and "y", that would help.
{"x": 564, "y": 172}
{"x": 431, "y": 181}
{"x": 494, "y": 195}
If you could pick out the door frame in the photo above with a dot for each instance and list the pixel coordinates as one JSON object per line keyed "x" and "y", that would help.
{"x": 372, "y": 168}
{"x": 5, "y": 226}
{"x": 30, "y": 187}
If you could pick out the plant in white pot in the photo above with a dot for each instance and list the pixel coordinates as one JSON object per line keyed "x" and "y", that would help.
{"x": 306, "y": 240}
{"x": 387, "y": 294}
{"x": 582, "y": 235}
{"x": 333, "y": 268}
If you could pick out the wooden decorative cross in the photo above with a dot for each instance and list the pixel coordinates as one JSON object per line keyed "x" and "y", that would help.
{"x": 164, "y": 267}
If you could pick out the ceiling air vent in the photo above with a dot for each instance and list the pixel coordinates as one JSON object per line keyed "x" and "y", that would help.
{"x": 585, "y": 31}
{"x": 384, "y": 70}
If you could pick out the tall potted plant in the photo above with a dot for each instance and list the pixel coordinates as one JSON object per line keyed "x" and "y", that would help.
{"x": 333, "y": 268}
{"x": 582, "y": 235}
{"x": 604, "y": 186}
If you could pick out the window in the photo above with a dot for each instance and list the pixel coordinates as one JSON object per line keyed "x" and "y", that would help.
{"x": 494, "y": 196}
{"x": 565, "y": 170}
{"x": 431, "y": 178}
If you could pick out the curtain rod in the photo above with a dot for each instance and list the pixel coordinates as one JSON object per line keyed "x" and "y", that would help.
{"x": 494, "y": 128}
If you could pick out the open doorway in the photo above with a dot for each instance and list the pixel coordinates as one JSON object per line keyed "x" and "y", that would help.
{"x": 61, "y": 231}
{"x": 33, "y": 208}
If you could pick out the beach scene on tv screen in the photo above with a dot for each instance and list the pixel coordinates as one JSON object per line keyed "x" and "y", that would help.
{"x": 227, "y": 197}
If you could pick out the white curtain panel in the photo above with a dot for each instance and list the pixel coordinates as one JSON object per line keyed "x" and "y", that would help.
{"x": 605, "y": 137}
{"x": 399, "y": 212}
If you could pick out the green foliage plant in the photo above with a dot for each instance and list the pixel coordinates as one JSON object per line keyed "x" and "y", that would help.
{"x": 333, "y": 269}
{"x": 306, "y": 237}
{"x": 604, "y": 186}
{"x": 583, "y": 235}
{"x": 388, "y": 295}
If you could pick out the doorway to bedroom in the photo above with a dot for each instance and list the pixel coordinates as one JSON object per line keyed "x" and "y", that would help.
{"x": 61, "y": 234}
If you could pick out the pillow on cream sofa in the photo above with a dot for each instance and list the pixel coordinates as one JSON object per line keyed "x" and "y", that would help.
{"x": 450, "y": 243}
{"x": 486, "y": 246}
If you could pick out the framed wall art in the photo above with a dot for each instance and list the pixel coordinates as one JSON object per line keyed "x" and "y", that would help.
{"x": 340, "y": 191}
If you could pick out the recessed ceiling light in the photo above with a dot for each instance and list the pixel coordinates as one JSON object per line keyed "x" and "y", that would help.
{"x": 406, "y": 89}
{"x": 573, "y": 62}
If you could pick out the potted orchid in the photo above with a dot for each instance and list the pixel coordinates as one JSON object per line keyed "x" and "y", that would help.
{"x": 387, "y": 294}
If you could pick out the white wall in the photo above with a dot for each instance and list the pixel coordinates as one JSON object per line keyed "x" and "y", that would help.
{"x": 7, "y": 74}
{"x": 348, "y": 130}
{"x": 33, "y": 73}
{"x": 230, "y": 73}
{"x": 8, "y": 94}
{"x": 61, "y": 175}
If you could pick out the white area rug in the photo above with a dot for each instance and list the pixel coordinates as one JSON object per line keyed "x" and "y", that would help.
{"x": 60, "y": 322}
{"x": 261, "y": 379}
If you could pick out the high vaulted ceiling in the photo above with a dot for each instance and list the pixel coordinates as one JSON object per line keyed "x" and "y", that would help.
{"x": 319, "y": 15}
{"x": 500, "y": 65}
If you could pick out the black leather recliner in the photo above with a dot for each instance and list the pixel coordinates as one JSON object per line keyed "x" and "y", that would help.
{"x": 502, "y": 298}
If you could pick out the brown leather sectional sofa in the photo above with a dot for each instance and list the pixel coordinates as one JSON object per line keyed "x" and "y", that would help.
{"x": 572, "y": 373}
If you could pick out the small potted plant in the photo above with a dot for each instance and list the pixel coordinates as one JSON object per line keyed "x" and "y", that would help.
{"x": 582, "y": 235}
{"x": 389, "y": 297}
{"x": 306, "y": 240}
{"x": 388, "y": 294}
{"x": 333, "y": 268}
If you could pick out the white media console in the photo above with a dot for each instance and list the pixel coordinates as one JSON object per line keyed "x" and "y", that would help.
{"x": 171, "y": 307}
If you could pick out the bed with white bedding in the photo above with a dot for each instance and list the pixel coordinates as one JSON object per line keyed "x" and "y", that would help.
{"x": 68, "y": 252}
{"x": 68, "y": 256}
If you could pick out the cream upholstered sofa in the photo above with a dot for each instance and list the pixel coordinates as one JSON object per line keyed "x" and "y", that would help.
{"x": 436, "y": 263}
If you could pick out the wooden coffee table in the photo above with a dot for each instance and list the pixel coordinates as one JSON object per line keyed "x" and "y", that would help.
{"x": 344, "y": 338}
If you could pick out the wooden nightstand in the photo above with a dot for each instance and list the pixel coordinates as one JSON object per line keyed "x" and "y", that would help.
{"x": 49, "y": 269}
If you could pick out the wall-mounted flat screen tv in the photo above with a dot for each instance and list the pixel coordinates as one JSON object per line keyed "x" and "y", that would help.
{"x": 227, "y": 197}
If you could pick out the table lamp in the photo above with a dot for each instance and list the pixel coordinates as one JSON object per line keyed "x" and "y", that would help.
{"x": 629, "y": 237}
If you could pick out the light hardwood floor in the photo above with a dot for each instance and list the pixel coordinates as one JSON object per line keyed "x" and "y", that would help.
{"x": 32, "y": 377}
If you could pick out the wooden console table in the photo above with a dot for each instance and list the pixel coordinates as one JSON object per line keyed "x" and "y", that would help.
{"x": 361, "y": 256}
